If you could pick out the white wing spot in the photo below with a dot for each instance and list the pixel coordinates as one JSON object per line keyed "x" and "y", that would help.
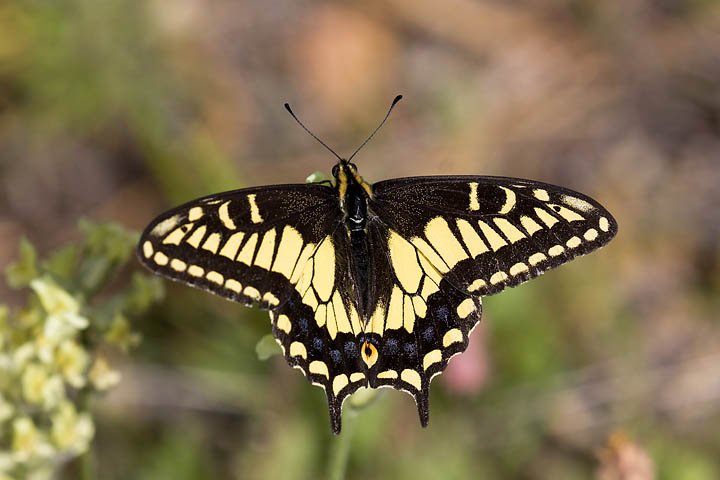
{"x": 577, "y": 203}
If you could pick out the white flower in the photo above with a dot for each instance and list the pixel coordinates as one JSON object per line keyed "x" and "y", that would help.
{"x": 33, "y": 381}
{"x": 6, "y": 463}
{"x": 70, "y": 431}
{"x": 22, "y": 355}
{"x": 63, "y": 318}
{"x": 6, "y": 411}
{"x": 54, "y": 392}
{"x": 102, "y": 376}
{"x": 72, "y": 360}
{"x": 28, "y": 443}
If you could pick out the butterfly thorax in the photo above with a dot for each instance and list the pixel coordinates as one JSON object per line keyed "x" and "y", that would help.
{"x": 353, "y": 194}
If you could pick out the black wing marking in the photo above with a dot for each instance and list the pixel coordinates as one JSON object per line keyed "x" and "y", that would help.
{"x": 487, "y": 233}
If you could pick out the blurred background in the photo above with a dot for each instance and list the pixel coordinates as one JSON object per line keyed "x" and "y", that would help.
{"x": 605, "y": 368}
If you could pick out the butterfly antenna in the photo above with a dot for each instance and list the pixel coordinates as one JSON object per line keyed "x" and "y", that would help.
{"x": 287, "y": 107}
{"x": 392, "y": 105}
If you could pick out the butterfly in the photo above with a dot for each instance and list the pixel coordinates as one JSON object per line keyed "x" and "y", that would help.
{"x": 373, "y": 285}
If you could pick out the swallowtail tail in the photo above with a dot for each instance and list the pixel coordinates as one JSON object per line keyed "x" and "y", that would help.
{"x": 373, "y": 285}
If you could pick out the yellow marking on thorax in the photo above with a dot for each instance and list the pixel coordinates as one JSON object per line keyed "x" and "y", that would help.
{"x": 255, "y": 216}
{"x": 342, "y": 185}
{"x": 366, "y": 186}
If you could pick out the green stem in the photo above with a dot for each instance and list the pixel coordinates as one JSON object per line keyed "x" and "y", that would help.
{"x": 341, "y": 449}
{"x": 340, "y": 453}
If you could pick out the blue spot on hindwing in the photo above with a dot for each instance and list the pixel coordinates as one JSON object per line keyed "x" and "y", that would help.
{"x": 336, "y": 356}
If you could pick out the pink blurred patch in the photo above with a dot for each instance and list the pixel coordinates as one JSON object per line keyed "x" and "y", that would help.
{"x": 468, "y": 372}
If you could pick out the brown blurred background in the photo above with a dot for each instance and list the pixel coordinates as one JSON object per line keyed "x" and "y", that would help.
{"x": 117, "y": 110}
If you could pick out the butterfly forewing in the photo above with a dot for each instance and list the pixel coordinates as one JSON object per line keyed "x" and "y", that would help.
{"x": 487, "y": 233}
{"x": 247, "y": 245}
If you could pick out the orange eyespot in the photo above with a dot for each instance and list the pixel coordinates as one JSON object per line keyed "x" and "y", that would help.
{"x": 369, "y": 354}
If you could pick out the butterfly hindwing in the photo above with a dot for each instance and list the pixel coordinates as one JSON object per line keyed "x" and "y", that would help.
{"x": 418, "y": 320}
{"x": 318, "y": 327}
{"x": 487, "y": 233}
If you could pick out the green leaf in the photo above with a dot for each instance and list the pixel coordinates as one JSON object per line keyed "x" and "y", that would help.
{"x": 61, "y": 263}
{"x": 317, "y": 177}
{"x": 143, "y": 292}
{"x": 19, "y": 274}
{"x": 267, "y": 347}
{"x": 107, "y": 248}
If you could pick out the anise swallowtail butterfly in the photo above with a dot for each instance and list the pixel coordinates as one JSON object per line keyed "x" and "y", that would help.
{"x": 373, "y": 285}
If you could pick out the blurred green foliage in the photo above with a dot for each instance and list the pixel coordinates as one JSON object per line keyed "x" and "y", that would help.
{"x": 53, "y": 352}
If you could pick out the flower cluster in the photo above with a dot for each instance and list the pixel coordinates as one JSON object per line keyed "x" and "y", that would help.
{"x": 53, "y": 352}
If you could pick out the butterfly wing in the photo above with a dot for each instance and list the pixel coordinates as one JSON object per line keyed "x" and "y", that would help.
{"x": 487, "y": 233}
{"x": 440, "y": 243}
{"x": 280, "y": 247}
{"x": 247, "y": 245}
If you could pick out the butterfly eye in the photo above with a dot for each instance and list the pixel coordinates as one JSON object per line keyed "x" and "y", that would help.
{"x": 353, "y": 166}
{"x": 336, "y": 170}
